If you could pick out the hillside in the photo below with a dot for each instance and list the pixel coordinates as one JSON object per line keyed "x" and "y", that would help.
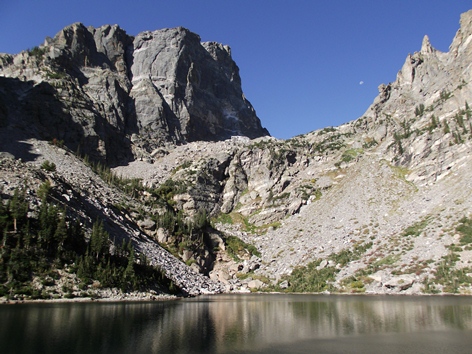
{"x": 381, "y": 204}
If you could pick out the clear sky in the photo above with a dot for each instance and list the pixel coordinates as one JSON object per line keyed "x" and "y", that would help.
{"x": 304, "y": 64}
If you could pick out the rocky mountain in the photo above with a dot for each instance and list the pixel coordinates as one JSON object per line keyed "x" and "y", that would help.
{"x": 115, "y": 97}
{"x": 381, "y": 204}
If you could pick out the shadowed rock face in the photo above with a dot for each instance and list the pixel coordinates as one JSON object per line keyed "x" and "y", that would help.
{"x": 132, "y": 95}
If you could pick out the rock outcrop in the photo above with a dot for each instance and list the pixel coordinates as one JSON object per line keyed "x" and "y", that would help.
{"x": 115, "y": 97}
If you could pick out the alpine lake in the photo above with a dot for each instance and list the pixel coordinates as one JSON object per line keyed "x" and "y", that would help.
{"x": 245, "y": 323}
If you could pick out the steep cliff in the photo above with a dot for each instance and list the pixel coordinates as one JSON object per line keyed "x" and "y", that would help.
{"x": 115, "y": 97}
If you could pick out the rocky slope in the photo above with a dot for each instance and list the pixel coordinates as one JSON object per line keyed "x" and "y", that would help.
{"x": 394, "y": 181}
{"x": 380, "y": 204}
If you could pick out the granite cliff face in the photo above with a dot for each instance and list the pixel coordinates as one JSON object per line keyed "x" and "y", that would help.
{"x": 380, "y": 204}
{"x": 115, "y": 97}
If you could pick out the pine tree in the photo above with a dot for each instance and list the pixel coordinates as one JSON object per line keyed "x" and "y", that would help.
{"x": 18, "y": 207}
{"x": 447, "y": 130}
{"x": 99, "y": 240}
{"x": 129, "y": 274}
{"x": 60, "y": 233}
{"x": 75, "y": 240}
{"x": 48, "y": 221}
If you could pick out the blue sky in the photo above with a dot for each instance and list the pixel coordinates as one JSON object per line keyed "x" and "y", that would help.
{"x": 301, "y": 61}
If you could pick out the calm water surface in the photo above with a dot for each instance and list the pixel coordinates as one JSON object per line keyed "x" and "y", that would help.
{"x": 243, "y": 324}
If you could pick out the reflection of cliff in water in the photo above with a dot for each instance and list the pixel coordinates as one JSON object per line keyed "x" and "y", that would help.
{"x": 226, "y": 323}
{"x": 283, "y": 319}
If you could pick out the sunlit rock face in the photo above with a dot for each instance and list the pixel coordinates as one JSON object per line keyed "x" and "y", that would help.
{"x": 125, "y": 96}
{"x": 197, "y": 88}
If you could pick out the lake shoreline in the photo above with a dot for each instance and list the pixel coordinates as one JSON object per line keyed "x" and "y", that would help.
{"x": 121, "y": 298}
{"x": 135, "y": 297}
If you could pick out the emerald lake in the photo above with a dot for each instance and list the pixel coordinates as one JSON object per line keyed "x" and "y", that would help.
{"x": 252, "y": 323}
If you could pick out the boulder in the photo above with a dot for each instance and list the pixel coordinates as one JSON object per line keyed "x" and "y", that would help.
{"x": 255, "y": 284}
{"x": 400, "y": 282}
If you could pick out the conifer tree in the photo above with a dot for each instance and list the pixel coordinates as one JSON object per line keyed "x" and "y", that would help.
{"x": 18, "y": 207}
{"x": 99, "y": 240}
{"x": 60, "y": 233}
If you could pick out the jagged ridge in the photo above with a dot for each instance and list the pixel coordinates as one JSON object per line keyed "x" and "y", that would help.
{"x": 116, "y": 97}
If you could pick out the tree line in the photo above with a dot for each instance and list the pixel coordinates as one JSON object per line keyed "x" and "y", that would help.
{"x": 40, "y": 243}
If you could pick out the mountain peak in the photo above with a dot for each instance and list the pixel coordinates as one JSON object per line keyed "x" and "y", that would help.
{"x": 158, "y": 88}
{"x": 426, "y": 46}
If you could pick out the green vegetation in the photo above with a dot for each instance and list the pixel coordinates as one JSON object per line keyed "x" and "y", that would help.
{"x": 416, "y": 229}
{"x": 166, "y": 191}
{"x": 48, "y": 166}
{"x": 183, "y": 166}
{"x": 223, "y": 218}
{"x": 348, "y": 255}
{"x": 449, "y": 277}
{"x": 419, "y": 110}
{"x": 331, "y": 143}
{"x": 315, "y": 277}
{"x": 308, "y": 190}
{"x": 446, "y": 128}
{"x": 398, "y": 142}
{"x": 131, "y": 186}
{"x": 355, "y": 284}
{"x": 40, "y": 246}
{"x": 237, "y": 248}
{"x": 312, "y": 279}
{"x": 447, "y": 274}
{"x": 189, "y": 233}
{"x": 350, "y": 154}
{"x": 370, "y": 142}
{"x": 326, "y": 130}
{"x": 178, "y": 225}
{"x": 386, "y": 261}
{"x": 433, "y": 124}
{"x": 445, "y": 95}
{"x": 37, "y": 52}
{"x": 57, "y": 75}
{"x": 465, "y": 229}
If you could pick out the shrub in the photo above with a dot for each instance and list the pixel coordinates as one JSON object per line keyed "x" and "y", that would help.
{"x": 236, "y": 247}
{"x": 419, "y": 110}
{"x": 48, "y": 166}
{"x": 37, "y": 52}
{"x": 465, "y": 229}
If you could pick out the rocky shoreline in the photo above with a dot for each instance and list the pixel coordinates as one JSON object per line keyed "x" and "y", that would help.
{"x": 123, "y": 297}
{"x": 149, "y": 297}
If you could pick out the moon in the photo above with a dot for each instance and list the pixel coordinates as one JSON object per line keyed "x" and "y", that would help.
{"x": 361, "y": 83}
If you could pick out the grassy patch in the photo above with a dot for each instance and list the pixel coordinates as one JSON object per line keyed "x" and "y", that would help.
{"x": 223, "y": 218}
{"x": 416, "y": 229}
{"x": 237, "y": 248}
{"x": 312, "y": 278}
{"x": 465, "y": 229}
{"x": 449, "y": 277}
{"x": 386, "y": 261}
{"x": 348, "y": 255}
{"x": 354, "y": 284}
{"x": 350, "y": 154}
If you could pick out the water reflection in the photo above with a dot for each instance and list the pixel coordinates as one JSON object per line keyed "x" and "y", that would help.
{"x": 242, "y": 323}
